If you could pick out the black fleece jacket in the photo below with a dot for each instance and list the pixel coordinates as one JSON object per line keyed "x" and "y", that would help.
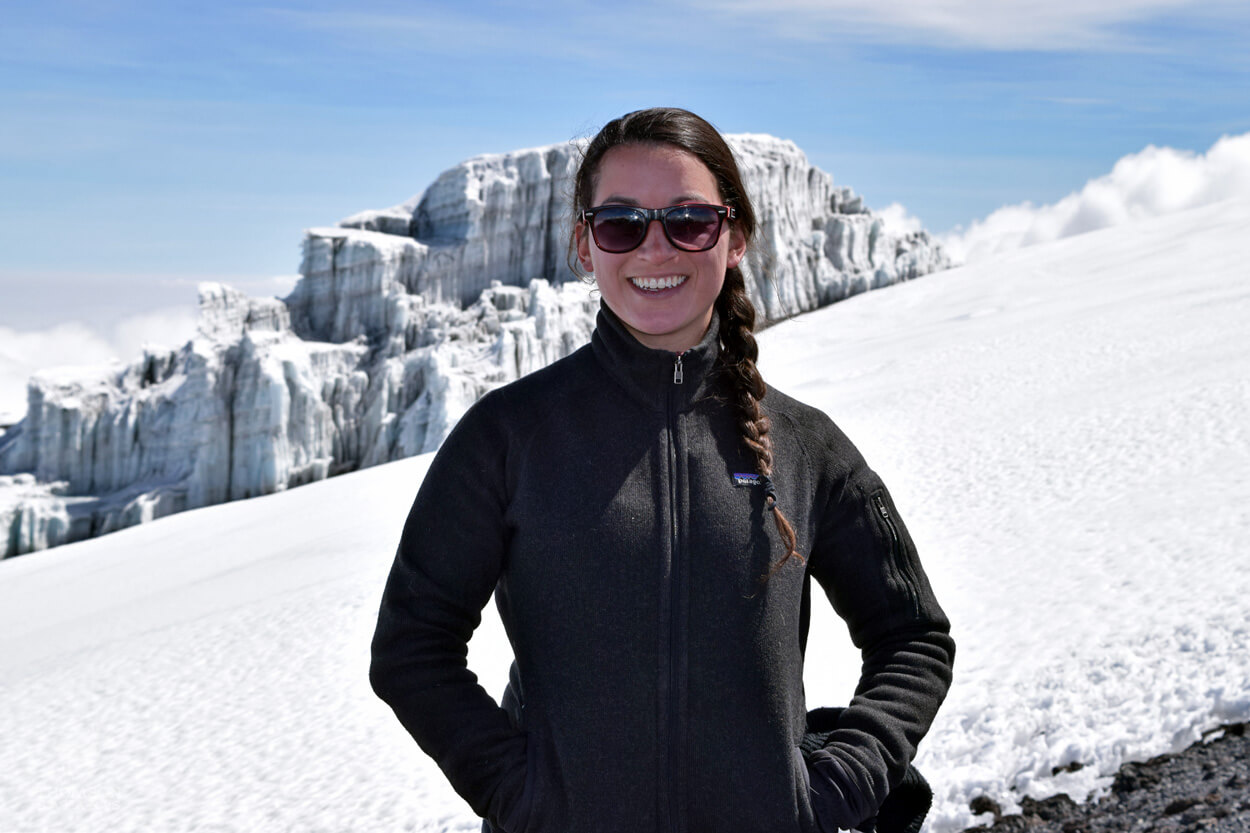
{"x": 658, "y": 679}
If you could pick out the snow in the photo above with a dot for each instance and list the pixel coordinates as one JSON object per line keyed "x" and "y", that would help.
{"x": 1064, "y": 427}
{"x": 1067, "y": 431}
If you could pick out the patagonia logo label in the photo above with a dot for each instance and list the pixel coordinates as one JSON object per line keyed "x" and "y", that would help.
{"x": 746, "y": 479}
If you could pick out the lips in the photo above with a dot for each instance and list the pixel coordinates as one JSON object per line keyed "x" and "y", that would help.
{"x": 655, "y": 284}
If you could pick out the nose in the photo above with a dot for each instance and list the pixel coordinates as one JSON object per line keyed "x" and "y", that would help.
{"x": 655, "y": 243}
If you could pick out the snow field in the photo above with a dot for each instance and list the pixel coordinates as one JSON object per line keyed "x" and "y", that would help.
{"x": 1067, "y": 432}
{"x": 1064, "y": 429}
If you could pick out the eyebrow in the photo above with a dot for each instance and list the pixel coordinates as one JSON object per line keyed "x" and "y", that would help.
{"x": 617, "y": 199}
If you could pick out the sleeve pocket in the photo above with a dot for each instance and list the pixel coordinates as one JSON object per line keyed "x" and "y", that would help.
{"x": 903, "y": 575}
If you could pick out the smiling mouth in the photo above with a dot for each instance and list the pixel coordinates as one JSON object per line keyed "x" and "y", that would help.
{"x": 658, "y": 284}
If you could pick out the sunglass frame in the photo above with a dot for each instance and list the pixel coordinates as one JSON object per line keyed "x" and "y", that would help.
{"x": 723, "y": 212}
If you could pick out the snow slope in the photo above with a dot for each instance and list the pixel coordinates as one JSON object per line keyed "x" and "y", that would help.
{"x": 1064, "y": 427}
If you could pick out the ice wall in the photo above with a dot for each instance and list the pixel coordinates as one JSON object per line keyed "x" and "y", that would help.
{"x": 402, "y": 318}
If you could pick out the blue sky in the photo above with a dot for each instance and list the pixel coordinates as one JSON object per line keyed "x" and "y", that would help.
{"x": 146, "y": 146}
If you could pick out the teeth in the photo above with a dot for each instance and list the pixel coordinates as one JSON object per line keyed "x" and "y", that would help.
{"x": 667, "y": 282}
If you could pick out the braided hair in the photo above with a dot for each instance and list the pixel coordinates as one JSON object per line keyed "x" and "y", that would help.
{"x": 735, "y": 364}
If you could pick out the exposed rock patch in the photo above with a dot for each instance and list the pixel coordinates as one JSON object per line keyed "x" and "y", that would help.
{"x": 1204, "y": 788}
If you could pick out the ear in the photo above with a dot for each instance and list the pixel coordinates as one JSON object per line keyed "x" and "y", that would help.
{"x": 582, "y": 235}
{"x": 737, "y": 247}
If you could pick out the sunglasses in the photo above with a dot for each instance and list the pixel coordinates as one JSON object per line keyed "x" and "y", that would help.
{"x": 622, "y": 228}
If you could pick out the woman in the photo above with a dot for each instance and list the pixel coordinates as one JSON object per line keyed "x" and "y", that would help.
{"x": 649, "y": 521}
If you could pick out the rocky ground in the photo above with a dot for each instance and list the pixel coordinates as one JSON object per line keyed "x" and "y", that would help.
{"x": 1205, "y": 788}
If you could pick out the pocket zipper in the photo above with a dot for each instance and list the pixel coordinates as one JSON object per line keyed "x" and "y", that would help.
{"x": 897, "y": 557}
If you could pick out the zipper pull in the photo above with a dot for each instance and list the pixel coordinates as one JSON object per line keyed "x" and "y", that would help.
{"x": 678, "y": 376}
{"x": 881, "y": 508}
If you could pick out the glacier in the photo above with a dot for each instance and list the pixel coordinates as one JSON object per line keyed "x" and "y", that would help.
{"x": 401, "y": 319}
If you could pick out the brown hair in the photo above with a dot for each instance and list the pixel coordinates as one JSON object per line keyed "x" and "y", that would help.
{"x": 738, "y": 350}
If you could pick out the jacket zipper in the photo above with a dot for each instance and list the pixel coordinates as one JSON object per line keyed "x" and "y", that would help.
{"x": 897, "y": 557}
{"x": 675, "y": 778}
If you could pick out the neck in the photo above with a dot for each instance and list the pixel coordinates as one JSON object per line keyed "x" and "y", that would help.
{"x": 672, "y": 342}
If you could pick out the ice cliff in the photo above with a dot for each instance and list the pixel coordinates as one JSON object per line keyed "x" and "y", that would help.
{"x": 401, "y": 319}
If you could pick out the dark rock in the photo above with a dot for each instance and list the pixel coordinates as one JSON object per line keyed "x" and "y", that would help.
{"x": 1055, "y": 808}
{"x": 985, "y": 804}
{"x": 1180, "y": 806}
{"x": 1134, "y": 777}
{"x": 1167, "y": 794}
{"x": 1011, "y": 824}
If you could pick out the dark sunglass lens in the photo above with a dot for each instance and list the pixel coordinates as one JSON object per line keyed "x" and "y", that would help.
{"x": 693, "y": 227}
{"x": 618, "y": 229}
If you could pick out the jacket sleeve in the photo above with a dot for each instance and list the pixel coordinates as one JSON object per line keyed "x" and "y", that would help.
{"x": 447, "y": 565}
{"x": 866, "y": 562}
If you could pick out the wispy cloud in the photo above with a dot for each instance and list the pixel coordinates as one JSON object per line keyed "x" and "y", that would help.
{"x": 1153, "y": 182}
{"x": 1067, "y": 25}
{"x": 441, "y": 29}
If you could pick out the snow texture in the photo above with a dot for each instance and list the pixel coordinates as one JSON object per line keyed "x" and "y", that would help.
{"x": 1066, "y": 429}
{"x": 401, "y": 319}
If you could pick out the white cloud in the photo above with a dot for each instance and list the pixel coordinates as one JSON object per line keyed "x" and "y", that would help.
{"x": 1153, "y": 182}
{"x": 896, "y": 219}
{"x": 984, "y": 24}
{"x": 168, "y": 328}
{"x": 22, "y": 354}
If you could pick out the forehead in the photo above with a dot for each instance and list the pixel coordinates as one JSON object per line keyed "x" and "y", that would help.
{"x": 653, "y": 176}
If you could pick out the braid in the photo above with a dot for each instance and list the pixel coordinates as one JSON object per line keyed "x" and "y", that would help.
{"x": 746, "y": 388}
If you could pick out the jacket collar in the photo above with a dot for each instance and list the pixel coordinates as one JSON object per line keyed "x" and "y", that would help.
{"x": 647, "y": 374}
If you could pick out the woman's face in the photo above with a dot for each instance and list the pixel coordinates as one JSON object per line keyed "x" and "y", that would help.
{"x": 676, "y": 315}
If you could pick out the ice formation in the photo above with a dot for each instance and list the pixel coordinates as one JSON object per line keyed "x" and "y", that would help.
{"x": 401, "y": 319}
